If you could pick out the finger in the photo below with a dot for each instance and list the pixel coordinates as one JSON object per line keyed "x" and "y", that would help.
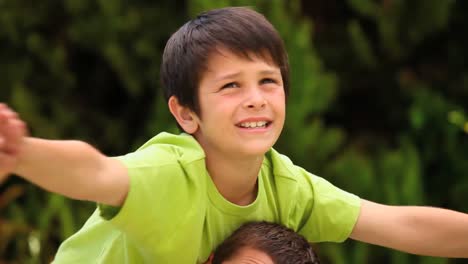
{"x": 11, "y": 114}
{"x": 6, "y": 114}
{"x": 3, "y": 116}
{"x": 12, "y": 130}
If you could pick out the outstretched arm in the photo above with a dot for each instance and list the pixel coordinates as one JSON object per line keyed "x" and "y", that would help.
{"x": 71, "y": 168}
{"x": 414, "y": 229}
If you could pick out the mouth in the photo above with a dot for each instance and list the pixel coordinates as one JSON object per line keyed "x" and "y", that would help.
{"x": 254, "y": 125}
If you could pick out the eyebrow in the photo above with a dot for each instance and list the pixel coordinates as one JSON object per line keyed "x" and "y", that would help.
{"x": 267, "y": 72}
{"x": 236, "y": 74}
{"x": 227, "y": 76}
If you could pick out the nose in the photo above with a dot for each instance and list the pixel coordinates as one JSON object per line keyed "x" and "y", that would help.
{"x": 255, "y": 99}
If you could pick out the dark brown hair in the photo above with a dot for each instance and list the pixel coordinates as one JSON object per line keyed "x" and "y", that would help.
{"x": 238, "y": 29}
{"x": 282, "y": 244}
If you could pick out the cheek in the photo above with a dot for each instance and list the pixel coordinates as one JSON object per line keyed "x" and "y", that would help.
{"x": 217, "y": 112}
{"x": 223, "y": 105}
{"x": 278, "y": 100}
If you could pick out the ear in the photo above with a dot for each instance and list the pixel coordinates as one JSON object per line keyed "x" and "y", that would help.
{"x": 186, "y": 118}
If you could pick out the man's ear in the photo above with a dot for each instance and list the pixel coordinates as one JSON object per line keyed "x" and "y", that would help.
{"x": 186, "y": 118}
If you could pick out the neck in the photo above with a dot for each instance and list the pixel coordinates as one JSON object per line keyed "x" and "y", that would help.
{"x": 235, "y": 178}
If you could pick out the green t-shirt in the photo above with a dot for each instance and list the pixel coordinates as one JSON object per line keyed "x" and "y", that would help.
{"x": 174, "y": 214}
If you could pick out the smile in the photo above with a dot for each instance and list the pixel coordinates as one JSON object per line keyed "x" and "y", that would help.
{"x": 259, "y": 124}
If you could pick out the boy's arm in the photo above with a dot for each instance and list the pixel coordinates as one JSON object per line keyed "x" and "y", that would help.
{"x": 74, "y": 169}
{"x": 71, "y": 168}
{"x": 413, "y": 229}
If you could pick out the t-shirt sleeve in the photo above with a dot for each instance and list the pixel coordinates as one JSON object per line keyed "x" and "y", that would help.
{"x": 328, "y": 213}
{"x": 107, "y": 212}
{"x": 159, "y": 190}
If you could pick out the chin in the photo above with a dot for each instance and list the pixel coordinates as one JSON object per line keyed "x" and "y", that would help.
{"x": 256, "y": 150}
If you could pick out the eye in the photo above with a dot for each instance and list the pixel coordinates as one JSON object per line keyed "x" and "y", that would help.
{"x": 231, "y": 85}
{"x": 267, "y": 81}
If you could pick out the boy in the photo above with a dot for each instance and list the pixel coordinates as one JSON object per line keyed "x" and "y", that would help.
{"x": 225, "y": 75}
{"x": 263, "y": 242}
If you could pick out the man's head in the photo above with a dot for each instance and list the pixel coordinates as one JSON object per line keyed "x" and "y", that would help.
{"x": 266, "y": 243}
{"x": 239, "y": 30}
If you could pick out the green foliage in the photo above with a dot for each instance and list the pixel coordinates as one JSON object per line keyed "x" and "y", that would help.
{"x": 375, "y": 105}
{"x": 405, "y": 124}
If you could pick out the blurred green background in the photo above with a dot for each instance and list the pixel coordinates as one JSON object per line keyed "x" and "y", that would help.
{"x": 378, "y": 104}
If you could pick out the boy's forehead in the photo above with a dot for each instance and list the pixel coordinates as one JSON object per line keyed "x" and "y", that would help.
{"x": 220, "y": 56}
{"x": 223, "y": 52}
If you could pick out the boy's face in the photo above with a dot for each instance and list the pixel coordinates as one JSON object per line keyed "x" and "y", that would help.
{"x": 242, "y": 105}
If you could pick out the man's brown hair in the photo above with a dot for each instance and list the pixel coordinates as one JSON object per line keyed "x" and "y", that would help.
{"x": 282, "y": 244}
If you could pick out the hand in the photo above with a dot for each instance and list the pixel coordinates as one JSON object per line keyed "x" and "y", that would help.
{"x": 12, "y": 133}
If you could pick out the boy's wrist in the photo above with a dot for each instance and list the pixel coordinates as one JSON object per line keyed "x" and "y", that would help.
{"x": 21, "y": 156}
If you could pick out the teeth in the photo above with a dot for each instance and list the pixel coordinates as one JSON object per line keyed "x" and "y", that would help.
{"x": 254, "y": 124}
